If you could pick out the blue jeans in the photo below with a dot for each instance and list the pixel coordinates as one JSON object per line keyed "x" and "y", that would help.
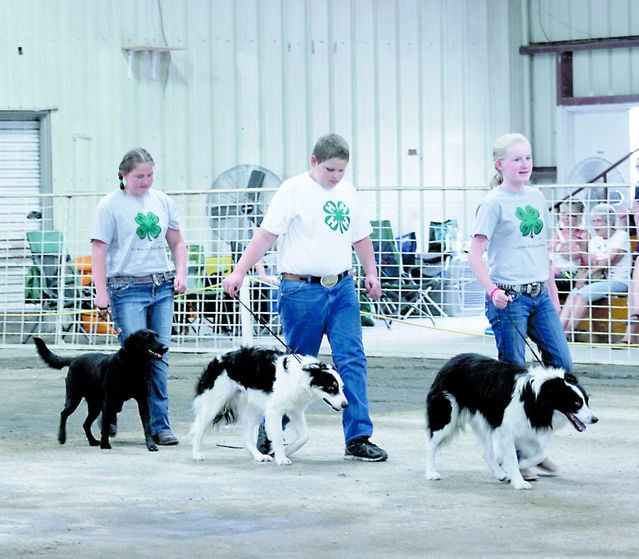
{"x": 600, "y": 289}
{"x": 145, "y": 305}
{"x": 307, "y": 312}
{"x": 535, "y": 317}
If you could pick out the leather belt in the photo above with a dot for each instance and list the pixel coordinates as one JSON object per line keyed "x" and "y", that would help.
{"x": 532, "y": 289}
{"x": 326, "y": 281}
{"x": 156, "y": 279}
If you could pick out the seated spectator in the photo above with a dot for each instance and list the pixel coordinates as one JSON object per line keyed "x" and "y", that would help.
{"x": 630, "y": 337}
{"x": 569, "y": 246}
{"x": 608, "y": 267}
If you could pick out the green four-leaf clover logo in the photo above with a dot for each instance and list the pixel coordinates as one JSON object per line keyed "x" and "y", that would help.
{"x": 337, "y": 216}
{"x": 148, "y": 226}
{"x": 531, "y": 224}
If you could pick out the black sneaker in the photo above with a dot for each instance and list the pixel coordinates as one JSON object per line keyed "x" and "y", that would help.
{"x": 364, "y": 450}
{"x": 263, "y": 442}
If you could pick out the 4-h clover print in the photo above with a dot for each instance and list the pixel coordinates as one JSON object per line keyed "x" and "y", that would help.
{"x": 531, "y": 224}
{"x": 337, "y": 216}
{"x": 148, "y": 226}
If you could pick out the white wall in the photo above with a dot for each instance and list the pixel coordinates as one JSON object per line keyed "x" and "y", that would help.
{"x": 258, "y": 80}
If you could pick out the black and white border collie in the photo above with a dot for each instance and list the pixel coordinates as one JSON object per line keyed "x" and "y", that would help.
{"x": 511, "y": 408}
{"x": 250, "y": 383}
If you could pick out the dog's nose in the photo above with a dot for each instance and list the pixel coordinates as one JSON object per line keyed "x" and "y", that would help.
{"x": 594, "y": 419}
{"x": 344, "y": 404}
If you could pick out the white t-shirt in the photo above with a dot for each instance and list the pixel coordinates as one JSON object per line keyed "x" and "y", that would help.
{"x": 518, "y": 227}
{"x": 316, "y": 226}
{"x": 603, "y": 247}
{"x": 135, "y": 229}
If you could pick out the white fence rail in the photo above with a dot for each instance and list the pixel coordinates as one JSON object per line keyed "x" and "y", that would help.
{"x": 45, "y": 275}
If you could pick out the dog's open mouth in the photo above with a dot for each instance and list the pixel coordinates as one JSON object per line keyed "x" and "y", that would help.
{"x": 155, "y": 354}
{"x": 577, "y": 424}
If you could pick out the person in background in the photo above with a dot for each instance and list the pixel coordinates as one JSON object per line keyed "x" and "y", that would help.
{"x": 318, "y": 220}
{"x": 569, "y": 246}
{"x": 131, "y": 270}
{"x": 609, "y": 264}
{"x": 632, "y": 329}
{"x": 513, "y": 226}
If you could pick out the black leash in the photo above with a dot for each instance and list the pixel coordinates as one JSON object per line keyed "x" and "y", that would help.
{"x": 265, "y": 324}
{"x": 523, "y": 337}
{"x": 107, "y": 310}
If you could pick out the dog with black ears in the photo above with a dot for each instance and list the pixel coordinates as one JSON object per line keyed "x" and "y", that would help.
{"x": 250, "y": 383}
{"x": 106, "y": 381}
{"x": 512, "y": 409}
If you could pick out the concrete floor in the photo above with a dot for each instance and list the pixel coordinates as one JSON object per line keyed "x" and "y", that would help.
{"x": 77, "y": 501}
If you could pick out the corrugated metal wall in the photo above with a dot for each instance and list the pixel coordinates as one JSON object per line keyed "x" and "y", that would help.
{"x": 259, "y": 80}
{"x": 595, "y": 72}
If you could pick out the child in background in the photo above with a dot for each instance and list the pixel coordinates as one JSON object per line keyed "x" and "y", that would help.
{"x": 569, "y": 246}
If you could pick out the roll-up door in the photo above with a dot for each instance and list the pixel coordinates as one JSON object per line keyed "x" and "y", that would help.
{"x": 20, "y": 187}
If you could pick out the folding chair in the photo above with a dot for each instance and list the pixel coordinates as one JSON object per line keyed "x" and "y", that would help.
{"x": 189, "y": 305}
{"x": 217, "y": 306}
{"x": 402, "y": 294}
{"x": 53, "y": 283}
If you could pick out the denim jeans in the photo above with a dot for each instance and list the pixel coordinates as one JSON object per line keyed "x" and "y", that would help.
{"x": 307, "y": 312}
{"x": 535, "y": 317}
{"x": 145, "y": 305}
{"x": 601, "y": 289}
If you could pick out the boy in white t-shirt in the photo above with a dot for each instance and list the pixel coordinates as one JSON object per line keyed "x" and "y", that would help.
{"x": 317, "y": 221}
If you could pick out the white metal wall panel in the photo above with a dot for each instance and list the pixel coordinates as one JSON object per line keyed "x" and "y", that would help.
{"x": 259, "y": 80}
{"x": 595, "y": 73}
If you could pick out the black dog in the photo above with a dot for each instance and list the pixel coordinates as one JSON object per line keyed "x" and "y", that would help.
{"x": 106, "y": 382}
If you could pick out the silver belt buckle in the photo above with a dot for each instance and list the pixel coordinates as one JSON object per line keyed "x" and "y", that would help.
{"x": 158, "y": 279}
{"x": 328, "y": 281}
{"x": 535, "y": 289}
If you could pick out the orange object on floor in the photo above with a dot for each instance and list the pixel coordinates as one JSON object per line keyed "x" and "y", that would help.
{"x": 91, "y": 321}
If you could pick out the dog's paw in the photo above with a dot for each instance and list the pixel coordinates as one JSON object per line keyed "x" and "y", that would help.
{"x": 105, "y": 446}
{"x": 152, "y": 448}
{"x": 197, "y": 457}
{"x": 501, "y": 475}
{"x": 523, "y": 484}
{"x": 263, "y": 458}
{"x": 433, "y": 476}
{"x": 284, "y": 461}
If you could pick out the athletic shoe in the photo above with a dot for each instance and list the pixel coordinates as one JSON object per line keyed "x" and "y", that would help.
{"x": 529, "y": 475}
{"x": 165, "y": 438}
{"x": 364, "y": 450}
{"x": 548, "y": 466}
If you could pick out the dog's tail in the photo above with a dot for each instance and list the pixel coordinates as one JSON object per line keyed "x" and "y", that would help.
{"x": 50, "y": 358}
{"x": 227, "y": 415}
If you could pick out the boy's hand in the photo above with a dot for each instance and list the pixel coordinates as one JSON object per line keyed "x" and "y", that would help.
{"x": 232, "y": 284}
{"x": 373, "y": 287}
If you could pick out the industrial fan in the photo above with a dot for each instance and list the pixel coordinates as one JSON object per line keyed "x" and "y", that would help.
{"x": 586, "y": 170}
{"x": 237, "y": 202}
